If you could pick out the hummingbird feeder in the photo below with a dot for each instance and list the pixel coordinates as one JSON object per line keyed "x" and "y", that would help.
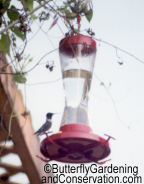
{"x": 75, "y": 142}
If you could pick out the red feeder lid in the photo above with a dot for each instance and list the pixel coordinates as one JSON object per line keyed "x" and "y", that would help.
{"x": 78, "y": 39}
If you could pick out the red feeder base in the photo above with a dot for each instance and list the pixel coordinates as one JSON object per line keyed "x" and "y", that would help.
{"x": 75, "y": 143}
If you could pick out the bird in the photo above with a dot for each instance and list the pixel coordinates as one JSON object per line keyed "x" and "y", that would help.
{"x": 46, "y": 126}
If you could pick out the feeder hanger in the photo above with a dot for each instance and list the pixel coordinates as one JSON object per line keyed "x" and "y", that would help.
{"x": 78, "y": 20}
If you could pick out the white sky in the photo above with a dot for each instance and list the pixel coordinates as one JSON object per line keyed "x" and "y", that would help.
{"x": 121, "y": 24}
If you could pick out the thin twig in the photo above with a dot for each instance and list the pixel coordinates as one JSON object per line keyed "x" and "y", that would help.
{"x": 119, "y": 49}
{"x": 44, "y": 82}
{"x": 36, "y": 63}
{"x": 112, "y": 101}
{"x": 32, "y": 67}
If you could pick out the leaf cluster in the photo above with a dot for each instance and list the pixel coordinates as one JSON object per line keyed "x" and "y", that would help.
{"x": 13, "y": 13}
{"x": 72, "y": 8}
{"x": 21, "y": 77}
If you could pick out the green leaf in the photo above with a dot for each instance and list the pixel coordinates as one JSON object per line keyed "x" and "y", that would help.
{"x": 73, "y": 9}
{"x": 28, "y": 4}
{"x": 13, "y": 15}
{"x": 6, "y": 4}
{"x": 5, "y": 44}
{"x": 71, "y": 1}
{"x": 102, "y": 83}
{"x": 3, "y": 6}
{"x": 62, "y": 10}
{"x": 20, "y": 78}
{"x": 30, "y": 60}
{"x": 70, "y": 16}
{"x": 84, "y": 8}
{"x": 67, "y": 4}
{"x": 18, "y": 33}
{"x": 43, "y": 16}
{"x": 33, "y": 17}
{"x": 89, "y": 15}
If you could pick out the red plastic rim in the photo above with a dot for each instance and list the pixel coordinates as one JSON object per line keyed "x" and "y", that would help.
{"x": 71, "y": 146}
{"x": 76, "y": 127}
{"x": 78, "y": 39}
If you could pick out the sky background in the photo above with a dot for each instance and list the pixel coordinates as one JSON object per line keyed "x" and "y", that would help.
{"x": 116, "y": 109}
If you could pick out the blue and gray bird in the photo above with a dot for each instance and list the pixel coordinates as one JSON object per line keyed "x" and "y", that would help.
{"x": 47, "y": 125}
